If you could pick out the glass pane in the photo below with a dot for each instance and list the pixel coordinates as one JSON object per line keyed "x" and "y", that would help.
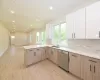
{"x": 37, "y": 36}
{"x": 56, "y": 34}
{"x": 63, "y": 34}
{"x": 43, "y": 37}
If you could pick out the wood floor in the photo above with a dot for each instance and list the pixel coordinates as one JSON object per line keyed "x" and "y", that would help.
{"x": 12, "y": 68}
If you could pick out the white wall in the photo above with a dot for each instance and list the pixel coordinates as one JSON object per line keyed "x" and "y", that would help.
{"x": 4, "y": 39}
{"x": 21, "y": 39}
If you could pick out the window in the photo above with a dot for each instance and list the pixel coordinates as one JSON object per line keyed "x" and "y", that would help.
{"x": 40, "y": 38}
{"x": 30, "y": 37}
{"x": 43, "y": 39}
{"x": 63, "y": 34}
{"x": 59, "y": 35}
{"x": 56, "y": 34}
{"x": 37, "y": 37}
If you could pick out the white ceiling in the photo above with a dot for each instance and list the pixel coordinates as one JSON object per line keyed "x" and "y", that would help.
{"x": 35, "y": 12}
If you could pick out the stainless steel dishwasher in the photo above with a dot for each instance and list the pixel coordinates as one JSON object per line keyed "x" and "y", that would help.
{"x": 63, "y": 60}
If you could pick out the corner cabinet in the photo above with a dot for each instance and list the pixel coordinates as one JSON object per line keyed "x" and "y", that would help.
{"x": 76, "y": 24}
{"x": 91, "y": 69}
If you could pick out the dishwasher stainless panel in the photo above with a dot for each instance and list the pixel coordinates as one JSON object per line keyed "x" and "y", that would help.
{"x": 63, "y": 60}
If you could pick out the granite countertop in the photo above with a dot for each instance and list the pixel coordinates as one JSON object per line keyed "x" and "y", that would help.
{"x": 80, "y": 50}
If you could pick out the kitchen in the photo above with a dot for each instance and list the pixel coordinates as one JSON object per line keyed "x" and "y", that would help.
{"x": 78, "y": 60}
{"x": 66, "y": 48}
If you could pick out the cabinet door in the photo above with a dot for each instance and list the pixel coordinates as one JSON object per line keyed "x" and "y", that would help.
{"x": 74, "y": 64}
{"x": 70, "y": 25}
{"x": 88, "y": 69}
{"x": 43, "y": 53}
{"x": 55, "y": 56}
{"x": 79, "y": 24}
{"x": 28, "y": 57}
{"x": 93, "y": 21}
{"x": 38, "y": 55}
{"x": 50, "y": 53}
{"x": 96, "y": 70}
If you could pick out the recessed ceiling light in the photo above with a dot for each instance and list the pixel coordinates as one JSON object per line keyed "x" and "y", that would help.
{"x": 12, "y": 12}
{"x": 51, "y": 8}
{"x": 13, "y": 21}
{"x": 30, "y": 25}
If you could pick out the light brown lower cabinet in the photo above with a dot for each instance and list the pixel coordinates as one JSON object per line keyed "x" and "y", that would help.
{"x": 75, "y": 64}
{"x": 53, "y": 55}
{"x": 43, "y": 53}
{"x": 32, "y": 56}
{"x": 91, "y": 69}
{"x": 81, "y": 66}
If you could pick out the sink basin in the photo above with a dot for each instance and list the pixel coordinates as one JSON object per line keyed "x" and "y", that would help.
{"x": 55, "y": 46}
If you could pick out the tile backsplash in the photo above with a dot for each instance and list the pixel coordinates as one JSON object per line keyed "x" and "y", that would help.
{"x": 86, "y": 44}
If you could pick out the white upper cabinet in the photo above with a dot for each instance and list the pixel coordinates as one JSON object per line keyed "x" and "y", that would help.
{"x": 70, "y": 25}
{"x": 93, "y": 21}
{"x": 79, "y": 24}
{"x": 76, "y": 24}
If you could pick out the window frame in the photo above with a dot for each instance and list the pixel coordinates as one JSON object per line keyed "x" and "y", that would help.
{"x": 59, "y": 41}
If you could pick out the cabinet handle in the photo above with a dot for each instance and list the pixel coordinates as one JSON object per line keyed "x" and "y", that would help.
{"x": 94, "y": 69}
{"x": 74, "y": 35}
{"x": 90, "y": 67}
{"x": 99, "y": 34}
{"x": 34, "y": 53}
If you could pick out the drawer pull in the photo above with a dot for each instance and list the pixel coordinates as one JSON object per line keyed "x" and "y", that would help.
{"x": 90, "y": 67}
{"x": 94, "y": 69}
{"x": 34, "y": 53}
